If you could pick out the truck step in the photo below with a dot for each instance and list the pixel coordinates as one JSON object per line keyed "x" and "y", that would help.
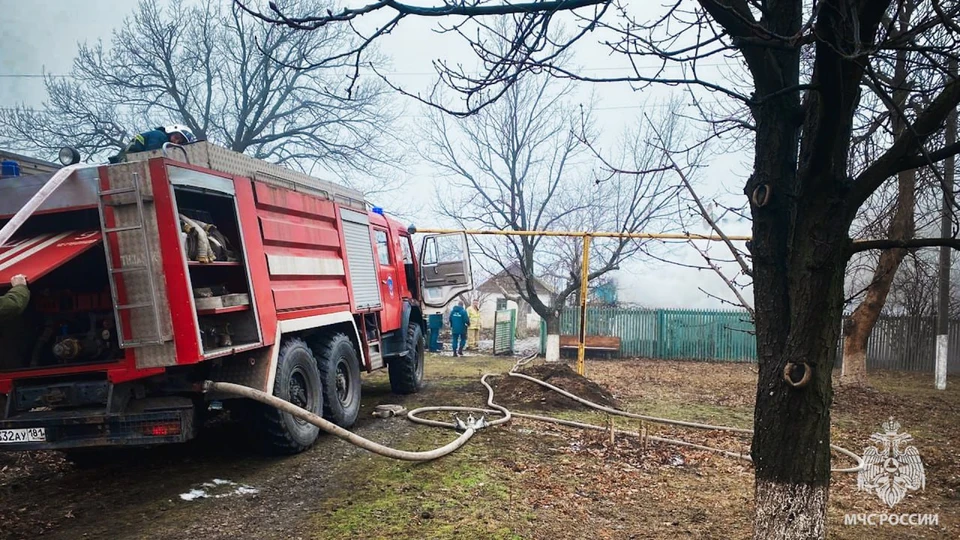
{"x": 117, "y": 191}
{"x": 143, "y": 199}
{"x": 144, "y": 342}
{"x": 375, "y": 353}
{"x": 126, "y": 269}
{"x": 121, "y": 229}
{"x": 134, "y": 306}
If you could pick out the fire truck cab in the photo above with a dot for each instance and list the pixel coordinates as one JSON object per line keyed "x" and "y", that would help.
{"x": 197, "y": 263}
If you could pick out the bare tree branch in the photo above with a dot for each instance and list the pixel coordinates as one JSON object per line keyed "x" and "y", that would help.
{"x": 912, "y": 243}
{"x": 473, "y": 9}
{"x": 213, "y": 69}
{"x": 908, "y": 145}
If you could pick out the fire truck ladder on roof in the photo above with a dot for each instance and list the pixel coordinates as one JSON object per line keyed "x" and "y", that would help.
{"x": 146, "y": 267}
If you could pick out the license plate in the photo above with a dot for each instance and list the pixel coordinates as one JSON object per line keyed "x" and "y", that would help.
{"x": 12, "y": 436}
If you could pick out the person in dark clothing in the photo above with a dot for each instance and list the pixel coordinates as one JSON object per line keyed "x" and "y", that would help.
{"x": 15, "y": 300}
{"x": 459, "y": 322}
{"x": 12, "y": 305}
{"x": 151, "y": 140}
{"x": 155, "y": 139}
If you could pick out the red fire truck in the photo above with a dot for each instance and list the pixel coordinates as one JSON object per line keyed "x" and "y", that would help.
{"x": 197, "y": 263}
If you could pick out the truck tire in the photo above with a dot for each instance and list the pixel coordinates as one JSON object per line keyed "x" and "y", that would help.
{"x": 340, "y": 377}
{"x": 406, "y": 372}
{"x": 297, "y": 381}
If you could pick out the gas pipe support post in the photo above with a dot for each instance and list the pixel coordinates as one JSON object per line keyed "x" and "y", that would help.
{"x": 584, "y": 276}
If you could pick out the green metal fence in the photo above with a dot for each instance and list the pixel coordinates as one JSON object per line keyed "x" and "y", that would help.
{"x": 897, "y": 343}
{"x": 668, "y": 333}
{"x": 504, "y": 331}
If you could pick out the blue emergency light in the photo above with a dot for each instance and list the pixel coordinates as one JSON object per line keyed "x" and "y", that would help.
{"x": 9, "y": 168}
{"x": 378, "y": 210}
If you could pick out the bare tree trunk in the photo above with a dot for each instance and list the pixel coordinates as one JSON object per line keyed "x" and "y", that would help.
{"x": 857, "y": 330}
{"x": 553, "y": 337}
{"x": 797, "y": 337}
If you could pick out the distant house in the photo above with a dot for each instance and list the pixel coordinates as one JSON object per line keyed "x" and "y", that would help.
{"x": 500, "y": 292}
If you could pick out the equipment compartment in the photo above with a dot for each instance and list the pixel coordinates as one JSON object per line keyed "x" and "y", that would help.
{"x": 219, "y": 278}
{"x": 69, "y": 319}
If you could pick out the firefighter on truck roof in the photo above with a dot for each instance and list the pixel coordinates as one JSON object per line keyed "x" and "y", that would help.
{"x": 155, "y": 139}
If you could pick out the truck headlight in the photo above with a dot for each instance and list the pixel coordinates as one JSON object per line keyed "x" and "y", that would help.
{"x": 69, "y": 156}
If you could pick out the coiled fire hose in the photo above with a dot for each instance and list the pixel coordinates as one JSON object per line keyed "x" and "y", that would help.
{"x": 333, "y": 429}
{"x": 471, "y": 425}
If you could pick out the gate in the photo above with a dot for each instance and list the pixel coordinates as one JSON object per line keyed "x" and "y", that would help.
{"x": 504, "y": 331}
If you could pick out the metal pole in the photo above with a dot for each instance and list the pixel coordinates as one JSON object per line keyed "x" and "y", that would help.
{"x": 584, "y": 275}
{"x": 577, "y": 234}
{"x": 601, "y": 234}
{"x": 946, "y": 231}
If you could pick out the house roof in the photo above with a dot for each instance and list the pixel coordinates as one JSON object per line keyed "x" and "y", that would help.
{"x": 502, "y": 281}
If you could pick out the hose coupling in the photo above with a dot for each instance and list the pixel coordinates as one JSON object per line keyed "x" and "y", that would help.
{"x": 470, "y": 423}
{"x": 386, "y": 411}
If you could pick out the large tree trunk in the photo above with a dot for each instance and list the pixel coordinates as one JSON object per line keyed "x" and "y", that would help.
{"x": 857, "y": 330}
{"x": 797, "y": 333}
{"x": 801, "y": 223}
{"x": 800, "y": 250}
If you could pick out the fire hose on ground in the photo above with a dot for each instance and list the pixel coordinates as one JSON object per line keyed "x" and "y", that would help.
{"x": 471, "y": 425}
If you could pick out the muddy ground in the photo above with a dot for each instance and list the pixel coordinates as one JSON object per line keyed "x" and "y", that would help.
{"x": 521, "y": 480}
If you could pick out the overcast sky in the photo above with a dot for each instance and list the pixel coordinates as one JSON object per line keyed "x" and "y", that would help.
{"x": 41, "y": 36}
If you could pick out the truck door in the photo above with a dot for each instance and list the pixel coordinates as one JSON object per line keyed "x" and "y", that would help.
{"x": 445, "y": 268}
{"x": 389, "y": 288}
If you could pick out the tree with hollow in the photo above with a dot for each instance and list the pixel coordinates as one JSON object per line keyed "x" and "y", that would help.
{"x": 808, "y": 67}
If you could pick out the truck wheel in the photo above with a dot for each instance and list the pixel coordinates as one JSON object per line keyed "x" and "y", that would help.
{"x": 406, "y": 372}
{"x": 340, "y": 377}
{"x": 297, "y": 381}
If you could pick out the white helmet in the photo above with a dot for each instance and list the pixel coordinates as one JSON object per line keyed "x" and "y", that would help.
{"x": 182, "y": 130}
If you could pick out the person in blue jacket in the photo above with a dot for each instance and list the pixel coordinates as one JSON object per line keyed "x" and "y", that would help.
{"x": 435, "y": 324}
{"x": 459, "y": 322}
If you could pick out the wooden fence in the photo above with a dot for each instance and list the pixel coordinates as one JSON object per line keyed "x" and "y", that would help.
{"x": 897, "y": 343}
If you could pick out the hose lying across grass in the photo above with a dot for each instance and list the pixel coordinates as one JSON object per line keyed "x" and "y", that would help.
{"x": 471, "y": 426}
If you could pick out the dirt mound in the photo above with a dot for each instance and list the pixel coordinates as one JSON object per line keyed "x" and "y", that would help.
{"x": 516, "y": 392}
